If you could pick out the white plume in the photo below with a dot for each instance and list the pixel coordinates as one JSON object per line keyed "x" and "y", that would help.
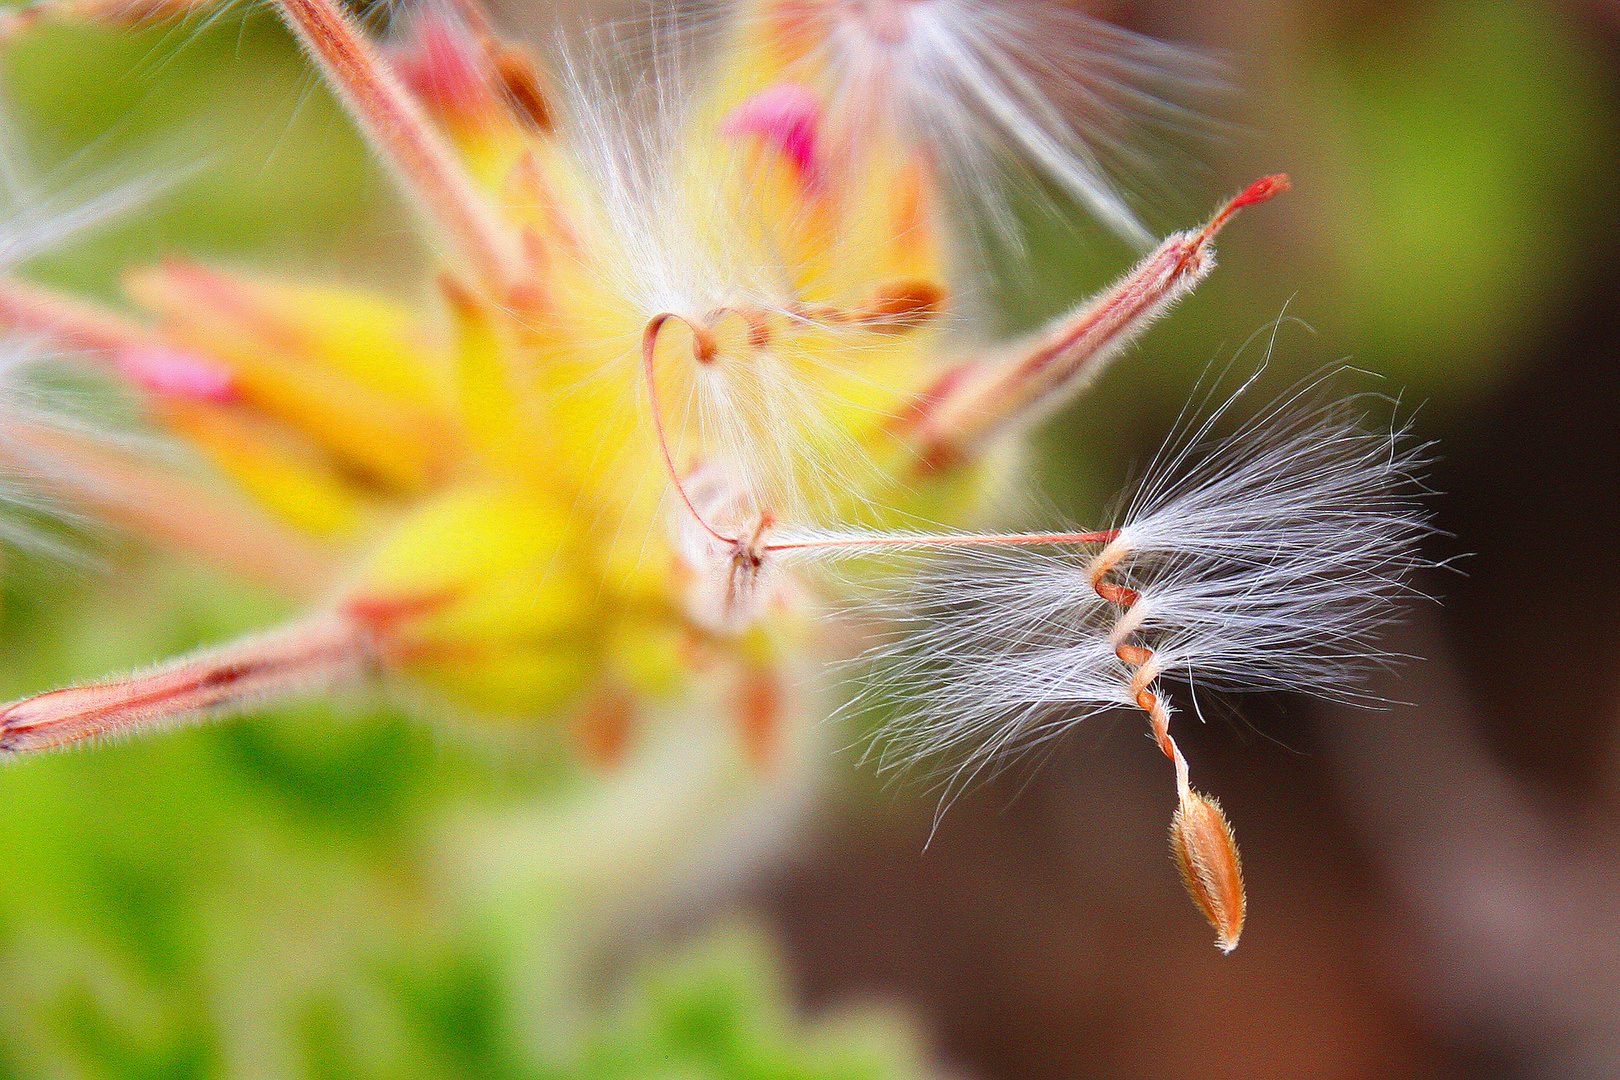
{"x": 1265, "y": 560}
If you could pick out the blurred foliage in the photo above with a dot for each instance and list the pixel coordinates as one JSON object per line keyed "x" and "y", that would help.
{"x": 1471, "y": 143}
{"x": 264, "y": 161}
{"x": 272, "y": 897}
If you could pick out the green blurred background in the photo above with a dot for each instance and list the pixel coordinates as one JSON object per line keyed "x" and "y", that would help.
{"x": 342, "y": 891}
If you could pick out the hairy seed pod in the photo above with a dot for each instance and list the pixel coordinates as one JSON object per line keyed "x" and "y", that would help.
{"x": 1207, "y": 856}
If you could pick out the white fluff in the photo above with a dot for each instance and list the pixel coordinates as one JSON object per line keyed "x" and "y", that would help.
{"x": 672, "y": 227}
{"x": 38, "y": 215}
{"x": 1268, "y": 559}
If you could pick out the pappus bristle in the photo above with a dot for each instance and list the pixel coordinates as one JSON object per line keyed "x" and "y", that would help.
{"x": 37, "y": 216}
{"x": 994, "y": 90}
{"x": 1274, "y": 561}
{"x": 24, "y": 470}
{"x": 959, "y": 673}
{"x": 42, "y": 213}
{"x": 1267, "y": 559}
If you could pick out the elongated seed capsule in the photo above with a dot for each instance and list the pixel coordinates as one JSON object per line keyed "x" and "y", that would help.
{"x": 1207, "y": 855}
{"x": 1029, "y": 380}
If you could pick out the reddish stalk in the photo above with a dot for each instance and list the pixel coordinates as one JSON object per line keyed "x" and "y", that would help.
{"x": 703, "y": 350}
{"x": 138, "y": 352}
{"x": 964, "y": 410}
{"x": 947, "y": 540}
{"x": 315, "y": 654}
{"x": 422, "y": 161}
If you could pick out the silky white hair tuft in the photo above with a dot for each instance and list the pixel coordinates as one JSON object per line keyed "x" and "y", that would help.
{"x": 1267, "y": 559}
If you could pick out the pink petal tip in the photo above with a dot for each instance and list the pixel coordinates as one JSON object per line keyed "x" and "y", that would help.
{"x": 165, "y": 370}
{"x": 787, "y": 116}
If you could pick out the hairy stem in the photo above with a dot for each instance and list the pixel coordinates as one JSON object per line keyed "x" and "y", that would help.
{"x": 315, "y": 654}
{"x": 968, "y": 408}
{"x": 422, "y": 161}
